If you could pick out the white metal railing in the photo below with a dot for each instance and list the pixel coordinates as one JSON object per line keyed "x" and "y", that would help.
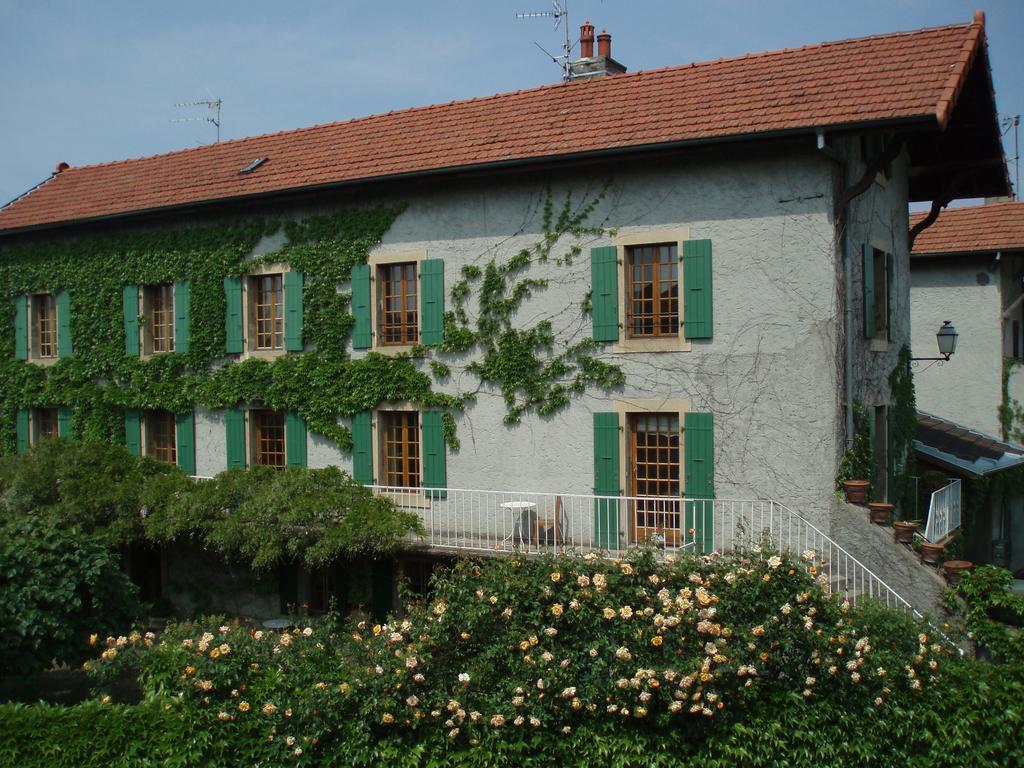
{"x": 943, "y": 513}
{"x": 493, "y": 522}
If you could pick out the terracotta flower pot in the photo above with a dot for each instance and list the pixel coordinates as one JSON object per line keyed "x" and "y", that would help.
{"x": 931, "y": 553}
{"x": 954, "y": 569}
{"x": 903, "y": 531}
{"x": 880, "y": 512}
{"x": 856, "y": 491}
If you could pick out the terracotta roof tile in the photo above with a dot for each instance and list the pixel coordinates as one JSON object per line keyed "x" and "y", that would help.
{"x": 972, "y": 229}
{"x": 903, "y": 76}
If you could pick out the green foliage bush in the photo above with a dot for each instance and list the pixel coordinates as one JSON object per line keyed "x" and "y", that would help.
{"x": 57, "y": 585}
{"x": 991, "y": 609}
{"x": 259, "y": 516}
{"x": 361, "y": 695}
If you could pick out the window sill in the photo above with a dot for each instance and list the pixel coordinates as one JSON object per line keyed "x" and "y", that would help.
{"x": 392, "y": 349}
{"x": 263, "y": 354}
{"x": 657, "y": 344}
{"x": 43, "y": 361}
{"x": 878, "y": 345}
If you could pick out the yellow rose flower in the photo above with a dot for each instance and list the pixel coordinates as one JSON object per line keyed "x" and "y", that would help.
{"x": 243, "y": 706}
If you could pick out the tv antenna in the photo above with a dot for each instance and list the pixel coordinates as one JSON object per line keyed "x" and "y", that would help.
{"x": 1008, "y": 122}
{"x": 213, "y": 107}
{"x": 560, "y": 13}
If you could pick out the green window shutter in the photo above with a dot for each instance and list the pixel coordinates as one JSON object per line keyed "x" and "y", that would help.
{"x": 606, "y": 479}
{"x": 64, "y": 423}
{"x": 434, "y": 463}
{"x": 130, "y": 309}
{"x": 698, "y": 312}
{"x": 604, "y": 292}
{"x": 21, "y": 327}
{"x": 234, "y": 316}
{"x": 362, "y": 333}
{"x": 182, "y": 317}
{"x": 133, "y": 431}
{"x": 293, "y": 282}
{"x": 185, "y": 438}
{"x": 21, "y": 423}
{"x": 362, "y": 448}
{"x": 890, "y": 293}
{"x": 699, "y": 438}
{"x": 64, "y": 347}
{"x": 868, "y": 261}
{"x": 431, "y": 301}
{"x": 234, "y": 423}
{"x": 294, "y": 439}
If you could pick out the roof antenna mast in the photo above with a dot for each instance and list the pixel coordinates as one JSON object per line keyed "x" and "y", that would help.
{"x": 560, "y": 13}
{"x": 213, "y": 107}
{"x": 1008, "y": 122}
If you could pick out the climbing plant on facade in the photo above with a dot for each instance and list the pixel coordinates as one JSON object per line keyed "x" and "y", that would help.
{"x": 101, "y": 379}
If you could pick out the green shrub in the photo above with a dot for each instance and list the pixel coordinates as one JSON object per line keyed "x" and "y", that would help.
{"x": 991, "y": 606}
{"x": 534, "y": 645}
{"x": 226, "y": 695}
{"x": 56, "y": 587}
{"x": 260, "y": 516}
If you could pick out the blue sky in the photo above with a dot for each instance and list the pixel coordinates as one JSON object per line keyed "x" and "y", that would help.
{"x": 88, "y": 82}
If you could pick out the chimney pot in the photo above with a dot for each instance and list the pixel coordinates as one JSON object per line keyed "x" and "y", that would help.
{"x": 604, "y": 44}
{"x": 61, "y": 167}
{"x": 587, "y": 40}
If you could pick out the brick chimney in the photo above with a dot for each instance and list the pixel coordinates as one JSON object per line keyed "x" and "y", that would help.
{"x": 587, "y": 40}
{"x": 589, "y": 65}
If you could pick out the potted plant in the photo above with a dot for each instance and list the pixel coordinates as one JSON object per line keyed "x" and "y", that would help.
{"x": 930, "y": 553}
{"x": 954, "y": 569}
{"x": 856, "y": 491}
{"x": 903, "y": 531}
{"x": 858, "y": 462}
{"x": 880, "y": 511}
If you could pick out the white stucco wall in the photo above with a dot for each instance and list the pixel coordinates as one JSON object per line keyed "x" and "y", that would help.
{"x": 769, "y": 374}
{"x": 967, "y": 389}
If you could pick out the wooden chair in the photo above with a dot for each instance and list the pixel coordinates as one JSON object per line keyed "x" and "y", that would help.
{"x": 547, "y": 531}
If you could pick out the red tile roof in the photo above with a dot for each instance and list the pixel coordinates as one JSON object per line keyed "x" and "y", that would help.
{"x": 903, "y": 77}
{"x": 972, "y": 229}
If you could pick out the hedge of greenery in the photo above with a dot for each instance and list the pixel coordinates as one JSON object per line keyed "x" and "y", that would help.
{"x": 310, "y": 515}
{"x": 56, "y": 586}
{"x": 568, "y": 661}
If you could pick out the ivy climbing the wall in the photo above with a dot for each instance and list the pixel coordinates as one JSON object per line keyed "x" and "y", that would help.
{"x": 100, "y": 379}
{"x": 533, "y": 371}
{"x": 902, "y": 427}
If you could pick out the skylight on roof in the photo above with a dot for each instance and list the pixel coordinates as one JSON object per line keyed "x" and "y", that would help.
{"x": 254, "y": 165}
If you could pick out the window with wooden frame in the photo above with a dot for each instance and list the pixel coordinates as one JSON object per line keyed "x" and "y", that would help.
{"x": 46, "y": 423}
{"x": 400, "y": 448}
{"x": 652, "y": 290}
{"x": 161, "y": 439}
{"x": 268, "y": 446}
{"x": 267, "y": 311}
{"x": 158, "y": 309}
{"x": 655, "y": 461}
{"x": 398, "y": 304}
{"x": 44, "y": 325}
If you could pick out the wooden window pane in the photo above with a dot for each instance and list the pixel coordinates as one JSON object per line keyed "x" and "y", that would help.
{"x": 160, "y": 299}
{"x": 400, "y": 444}
{"x": 268, "y": 438}
{"x": 269, "y": 311}
{"x": 161, "y": 442}
{"x": 399, "y": 304}
{"x": 46, "y": 423}
{"x": 44, "y": 321}
{"x": 653, "y": 289}
{"x": 655, "y": 472}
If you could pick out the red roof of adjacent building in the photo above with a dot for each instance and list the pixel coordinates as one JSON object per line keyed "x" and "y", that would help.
{"x": 908, "y": 77}
{"x": 972, "y": 229}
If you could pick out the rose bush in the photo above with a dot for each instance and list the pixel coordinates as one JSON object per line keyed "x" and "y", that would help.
{"x": 549, "y": 644}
